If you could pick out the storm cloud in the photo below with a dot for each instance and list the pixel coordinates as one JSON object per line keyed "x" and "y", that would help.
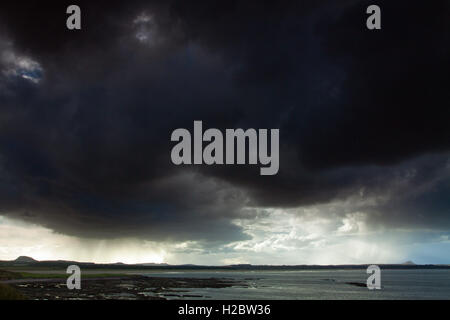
{"x": 86, "y": 116}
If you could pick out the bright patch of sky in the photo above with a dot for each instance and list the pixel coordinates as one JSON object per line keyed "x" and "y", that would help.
{"x": 278, "y": 237}
{"x": 15, "y": 65}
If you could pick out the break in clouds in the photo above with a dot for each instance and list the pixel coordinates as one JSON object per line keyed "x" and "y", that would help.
{"x": 86, "y": 117}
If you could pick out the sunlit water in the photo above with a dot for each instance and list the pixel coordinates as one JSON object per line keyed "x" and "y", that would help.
{"x": 322, "y": 284}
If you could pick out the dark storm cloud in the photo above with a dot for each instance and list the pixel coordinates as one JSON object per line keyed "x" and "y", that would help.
{"x": 86, "y": 150}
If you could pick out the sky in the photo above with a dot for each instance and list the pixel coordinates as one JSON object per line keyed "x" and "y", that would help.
{"x": 86, "y": 118}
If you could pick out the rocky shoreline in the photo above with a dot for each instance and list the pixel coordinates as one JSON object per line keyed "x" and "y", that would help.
{"x": 122, "y": 288}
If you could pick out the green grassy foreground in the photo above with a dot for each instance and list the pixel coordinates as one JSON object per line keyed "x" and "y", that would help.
{"x": 9, "y": 293}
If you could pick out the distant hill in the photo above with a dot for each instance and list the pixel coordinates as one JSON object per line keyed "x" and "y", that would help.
{"x": 25, "y": 259}
{"x": 63, "y": 264}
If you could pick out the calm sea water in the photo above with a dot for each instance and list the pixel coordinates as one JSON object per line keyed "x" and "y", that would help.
{"x": 320, "y": 284}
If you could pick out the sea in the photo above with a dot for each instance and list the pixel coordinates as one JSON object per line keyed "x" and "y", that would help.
{"x": 417, "y": 284}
